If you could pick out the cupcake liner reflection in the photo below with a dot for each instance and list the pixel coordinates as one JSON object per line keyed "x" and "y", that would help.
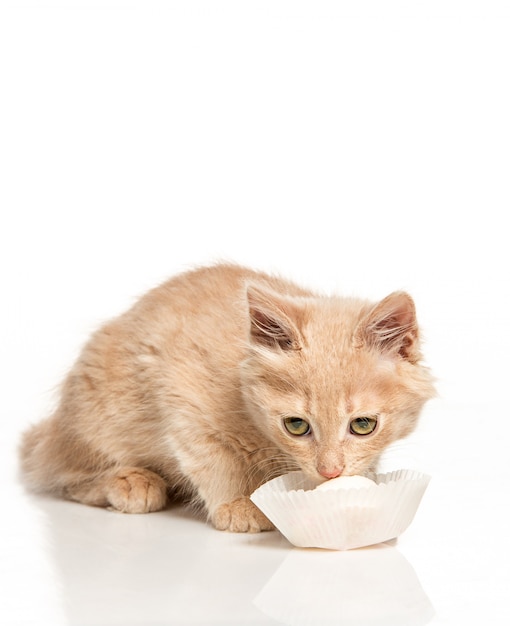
{"x": 369, "y": 587}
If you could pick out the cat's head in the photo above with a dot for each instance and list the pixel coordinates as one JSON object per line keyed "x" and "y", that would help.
{"x": 333, "y": 381}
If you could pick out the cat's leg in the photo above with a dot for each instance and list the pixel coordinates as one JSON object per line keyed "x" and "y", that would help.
{"x": 223, "y": 488}
{"x": 240, "y": 515}
{"x": 127, "y": 489}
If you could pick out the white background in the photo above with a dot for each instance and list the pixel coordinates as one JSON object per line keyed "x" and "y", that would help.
{"x": 356, "y": 147}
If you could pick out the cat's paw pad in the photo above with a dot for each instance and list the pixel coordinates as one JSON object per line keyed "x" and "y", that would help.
{"x": 240, "y": 516}
{"x": 136, "y": 490}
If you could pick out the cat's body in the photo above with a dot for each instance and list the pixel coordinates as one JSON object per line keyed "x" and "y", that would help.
{"x": 220, "y": 379}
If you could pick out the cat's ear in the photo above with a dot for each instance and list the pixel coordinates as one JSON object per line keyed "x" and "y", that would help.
{"x": 391, "y": 327}
{"x": 274, "y": 319}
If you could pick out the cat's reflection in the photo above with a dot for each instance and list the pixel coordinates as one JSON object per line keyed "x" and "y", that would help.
{"x": 159, "y": 568}
{"x": 375, "y": 586}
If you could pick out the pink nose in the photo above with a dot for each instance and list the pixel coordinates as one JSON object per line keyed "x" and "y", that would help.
{"x": 330, "y": 473}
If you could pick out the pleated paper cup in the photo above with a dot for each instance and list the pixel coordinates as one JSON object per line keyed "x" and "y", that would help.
{"x": 341, "y": 519}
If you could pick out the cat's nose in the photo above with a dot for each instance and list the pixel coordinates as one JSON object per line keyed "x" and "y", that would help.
{"x": 330, "y": 472}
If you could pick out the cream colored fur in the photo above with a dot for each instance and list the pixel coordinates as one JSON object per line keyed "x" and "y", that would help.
{"x": 185, "y": 395}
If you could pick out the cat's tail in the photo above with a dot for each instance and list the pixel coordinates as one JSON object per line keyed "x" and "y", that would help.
{"x": 52, "y": 459}
{"x": 37, "y": 458}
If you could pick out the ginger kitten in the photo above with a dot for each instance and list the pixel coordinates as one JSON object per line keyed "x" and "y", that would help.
{"x": 221, "y": 379}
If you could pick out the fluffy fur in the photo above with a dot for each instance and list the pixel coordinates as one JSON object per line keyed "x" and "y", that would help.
{"x": 185, "y": 395}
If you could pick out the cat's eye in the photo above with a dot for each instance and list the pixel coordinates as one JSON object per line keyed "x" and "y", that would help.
{"x": 363, "y": 425}
{"x": 297, "y": 426}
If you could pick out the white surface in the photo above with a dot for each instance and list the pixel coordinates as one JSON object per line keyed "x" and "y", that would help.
{"x": 358, "y": 147}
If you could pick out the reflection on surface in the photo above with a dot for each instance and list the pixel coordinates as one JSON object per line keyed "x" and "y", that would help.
{"x": 375, "y": 586}
{"x": 170, "y": 568}
{"x": 163, "y": 568}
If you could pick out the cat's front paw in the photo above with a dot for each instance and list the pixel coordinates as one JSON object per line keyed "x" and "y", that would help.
{"x": 136, "y": 490}
{"x": 240, "y": 516}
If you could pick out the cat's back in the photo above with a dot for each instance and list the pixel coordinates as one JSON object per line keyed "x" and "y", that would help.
{"x": 191, "y": 330}
{"x": 209, "y": 291}
{"x": 203, "y": 310}
{"x": 192, "y": 327}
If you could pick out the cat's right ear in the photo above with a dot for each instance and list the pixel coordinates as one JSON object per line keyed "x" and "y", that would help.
{"x": 274, "y": 319}
{"x": 391, "y": 327}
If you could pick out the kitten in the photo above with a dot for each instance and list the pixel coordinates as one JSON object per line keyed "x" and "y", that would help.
{"x": 221, "y": 379}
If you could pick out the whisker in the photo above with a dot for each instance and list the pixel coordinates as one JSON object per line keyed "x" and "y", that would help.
{"x": 274, "y": 463}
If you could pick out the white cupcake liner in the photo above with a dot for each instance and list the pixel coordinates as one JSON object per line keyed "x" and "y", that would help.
{"x": 341, "y": 519}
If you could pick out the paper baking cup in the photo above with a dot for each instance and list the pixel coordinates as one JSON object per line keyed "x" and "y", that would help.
{"x": 341, "y": 519}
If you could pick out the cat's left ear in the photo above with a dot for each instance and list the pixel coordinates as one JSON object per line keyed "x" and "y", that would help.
{"x": 391, "y": 327}
{"x": 274, "y": 319}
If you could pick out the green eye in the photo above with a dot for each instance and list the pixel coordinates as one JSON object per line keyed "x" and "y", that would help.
{"x": 363, "y": 425}
{"x": 296, "y": 426}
